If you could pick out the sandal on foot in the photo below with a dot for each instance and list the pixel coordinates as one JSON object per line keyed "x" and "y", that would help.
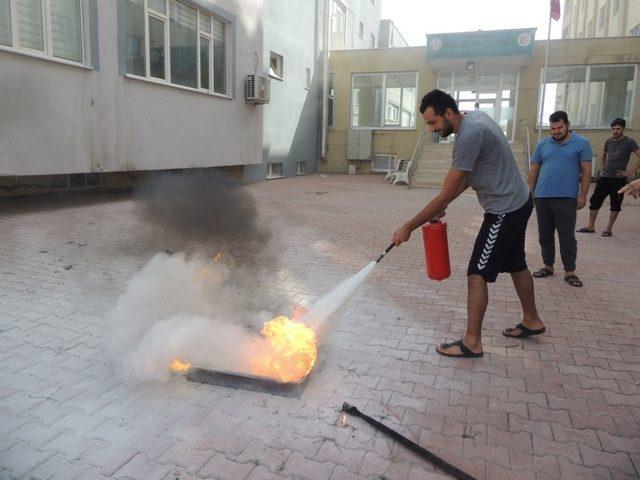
{"x": 573, "y": 280}
{"x": 542, "y": 273}
{"x": 464, "y": 350}
{"x": 606, "y": 233}
{"x": 585, "y": 230}
{"x": 524, "y": 331}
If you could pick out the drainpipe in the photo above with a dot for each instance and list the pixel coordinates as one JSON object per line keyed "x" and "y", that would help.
{"x": 325, "y": 79}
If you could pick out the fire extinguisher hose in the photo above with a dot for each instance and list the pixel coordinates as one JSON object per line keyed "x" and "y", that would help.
{"x": 386, "y": 250}
{"x": 423, "y": 452}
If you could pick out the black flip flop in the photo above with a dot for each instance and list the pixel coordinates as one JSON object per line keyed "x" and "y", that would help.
{"x": 464, "y": 351}
{"x": 573, "y": 280}
{"x": 585, "y": 230}
{"x": 542, "y": 273}
{"x": 524, "y": 331}
{"x": 606, "y": 233}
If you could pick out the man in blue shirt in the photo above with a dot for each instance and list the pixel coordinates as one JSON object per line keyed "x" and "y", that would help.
{"x": 559, "y": 178}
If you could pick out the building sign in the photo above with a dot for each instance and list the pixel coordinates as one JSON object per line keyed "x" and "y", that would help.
{"x": 493, "y": 43}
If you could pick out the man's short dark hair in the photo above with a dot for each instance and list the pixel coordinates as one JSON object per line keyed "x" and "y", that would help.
{"x": 555, "y": 117}
{"x": 439, "y": 101}
{"x": 619, "y": 121}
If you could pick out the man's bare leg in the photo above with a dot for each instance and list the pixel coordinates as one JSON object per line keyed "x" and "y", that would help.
{"x": 477, "y": 299}
{"x": 612, "y": 220}
{"x": 523, "y": 282}
{"x": 592, "y": 219}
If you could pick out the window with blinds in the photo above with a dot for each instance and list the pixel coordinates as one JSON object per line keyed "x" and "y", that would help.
{"x": 5, "y": 23}
{"x": 50, "y": 27}
{"x": 196, "y": 56}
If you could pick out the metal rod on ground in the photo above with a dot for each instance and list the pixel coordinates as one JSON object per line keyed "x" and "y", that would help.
{"x": 432, "y": 457}
{"x": 381, "y": 256}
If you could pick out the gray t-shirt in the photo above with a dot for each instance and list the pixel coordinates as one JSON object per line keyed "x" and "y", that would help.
{"x": 618, "y": 151}
{"x": 482, "y": 150}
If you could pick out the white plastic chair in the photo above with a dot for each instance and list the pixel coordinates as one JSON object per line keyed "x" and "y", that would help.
{"x": 403, "y": 176}
{"x": 400, "y": 167}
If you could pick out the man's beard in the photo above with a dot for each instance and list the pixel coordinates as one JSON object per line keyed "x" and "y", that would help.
{"x": 559, "y": 139}
{"x": 447, "y": 129}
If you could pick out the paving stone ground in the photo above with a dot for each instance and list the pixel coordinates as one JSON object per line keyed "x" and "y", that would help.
{"x": 565, "y": 405}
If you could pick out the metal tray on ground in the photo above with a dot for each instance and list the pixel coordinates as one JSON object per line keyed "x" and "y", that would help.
{"x": 245, "y": 381}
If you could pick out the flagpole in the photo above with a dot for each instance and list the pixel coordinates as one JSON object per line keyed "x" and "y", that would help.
{"x": 544, "y": 81}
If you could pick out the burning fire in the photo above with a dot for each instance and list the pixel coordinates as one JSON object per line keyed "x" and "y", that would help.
{"x": 179, "y": 366}
{"x": 289, "y": 353}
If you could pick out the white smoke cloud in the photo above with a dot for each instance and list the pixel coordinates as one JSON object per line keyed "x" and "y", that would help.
{"x": 189, "y": 309}
{"x": 181, "y": 308}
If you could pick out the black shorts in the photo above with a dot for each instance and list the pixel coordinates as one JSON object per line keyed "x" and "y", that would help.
{"x": 499, "y": 245}
{"x": 608, "y": 187}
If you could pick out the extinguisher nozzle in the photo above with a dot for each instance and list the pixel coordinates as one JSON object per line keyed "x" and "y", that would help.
{"x": 381, "y": 256}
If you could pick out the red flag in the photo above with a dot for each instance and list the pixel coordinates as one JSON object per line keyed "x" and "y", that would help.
{"x": 555, "y": 9}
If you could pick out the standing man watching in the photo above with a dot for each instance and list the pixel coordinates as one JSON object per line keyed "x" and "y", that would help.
{"x": 483, "y": 160}
{"x": 559, "y": 178}
{"x": 614, "y": 160}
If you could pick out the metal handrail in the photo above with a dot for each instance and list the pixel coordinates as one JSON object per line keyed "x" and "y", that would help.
{"x": 417, "y": 152}
{"x": 525, "y": 139}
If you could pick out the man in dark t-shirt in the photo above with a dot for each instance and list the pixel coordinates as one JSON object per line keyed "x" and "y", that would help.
{"x": 615, "y": 158}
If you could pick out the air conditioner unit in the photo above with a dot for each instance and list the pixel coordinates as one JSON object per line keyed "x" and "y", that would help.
{"x": 256, "y": 89}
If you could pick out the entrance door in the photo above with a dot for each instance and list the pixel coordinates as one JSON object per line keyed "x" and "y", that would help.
{"x": 493, "y": 93}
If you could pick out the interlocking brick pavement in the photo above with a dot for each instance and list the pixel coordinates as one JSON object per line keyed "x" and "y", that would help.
{"x": 564, "y": 405}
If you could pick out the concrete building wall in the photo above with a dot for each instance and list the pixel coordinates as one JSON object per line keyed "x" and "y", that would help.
{"x": 366, "y": 12}
{"x": 623, "y": 50}
{"x": 60, "y": 119}
{"x": 387, "y": 141}
{"x": 600, "y": 18}
{"x": 390, "y": 36}
{"x": 292, "y": 120}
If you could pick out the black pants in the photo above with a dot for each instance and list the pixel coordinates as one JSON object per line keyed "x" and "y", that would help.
{"x": 557, "y": 214}
{"x": 608, "y": 187}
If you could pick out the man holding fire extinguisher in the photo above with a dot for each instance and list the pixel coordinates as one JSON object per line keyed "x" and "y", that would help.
{"x": 483, "y": 160}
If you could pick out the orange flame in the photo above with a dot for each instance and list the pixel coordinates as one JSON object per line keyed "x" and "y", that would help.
{"x": 289, "y": 353}
{"x": 179, "y": 366}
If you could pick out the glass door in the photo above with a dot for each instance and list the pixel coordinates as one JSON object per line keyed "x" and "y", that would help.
{"x": 493, "y": 93}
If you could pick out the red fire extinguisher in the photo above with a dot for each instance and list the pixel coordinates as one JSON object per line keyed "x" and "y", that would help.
{"x": 436, "y": 250}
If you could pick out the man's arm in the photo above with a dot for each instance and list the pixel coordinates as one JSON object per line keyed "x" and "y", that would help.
{"x": 532, "y": 179}
{"x": 454, "y": 184}
{"x": 603, "y": 160}
{"x": 585, "y": 181}
{"x": 633, "y": 170}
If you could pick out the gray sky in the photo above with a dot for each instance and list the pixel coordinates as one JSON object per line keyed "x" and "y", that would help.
{"x": 415, "y": 18}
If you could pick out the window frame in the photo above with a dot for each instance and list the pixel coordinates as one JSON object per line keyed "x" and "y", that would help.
{"x": 331, "y": 100}
{"x": 270, "y": 169}
{"x": 47, "y": 36}
{"x": 166, "y": 18}
{"x": 391, "y": 162}
{"x": 585, "y": 105}
{"x": 278, "y": 73}
{"x": 384, "y": 102}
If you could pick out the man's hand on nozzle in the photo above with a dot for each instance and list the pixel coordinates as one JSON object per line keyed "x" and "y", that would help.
{"x": 401, "y": 235}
